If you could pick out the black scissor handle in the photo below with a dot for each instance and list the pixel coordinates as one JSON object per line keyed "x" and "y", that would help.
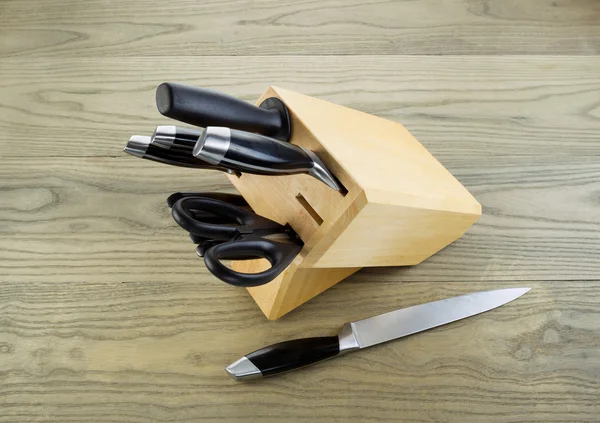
{"x": 203, "y": 244}
{"x": 234, "y": 220}
{"x": 236, "y": 199}
{"x": 279, "y": 254}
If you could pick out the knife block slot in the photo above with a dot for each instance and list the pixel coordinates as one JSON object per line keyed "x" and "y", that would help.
{"x": 309, "y": 209}
{"x": 400, "y": 206}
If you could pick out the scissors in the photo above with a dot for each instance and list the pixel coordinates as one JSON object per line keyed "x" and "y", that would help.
{"x": 204, "y": 243}
{"x": 224, "y": 230}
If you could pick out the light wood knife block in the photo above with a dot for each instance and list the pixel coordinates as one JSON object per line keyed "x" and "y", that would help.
{"x": 401, "y": 204}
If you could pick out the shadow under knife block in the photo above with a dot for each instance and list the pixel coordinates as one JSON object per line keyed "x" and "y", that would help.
{"x": 401, "y": 204}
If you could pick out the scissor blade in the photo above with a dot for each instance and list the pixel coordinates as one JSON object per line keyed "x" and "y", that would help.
{"x": 408, "y": 321}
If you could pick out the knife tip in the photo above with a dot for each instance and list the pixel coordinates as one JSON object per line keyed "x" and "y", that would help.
{"x": 517, "y": 292}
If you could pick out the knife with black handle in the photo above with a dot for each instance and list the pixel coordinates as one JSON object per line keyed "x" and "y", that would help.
{"x": 258, "y": 154}
{"x": 203, "y": 107}
{"x": 290, "y": 355}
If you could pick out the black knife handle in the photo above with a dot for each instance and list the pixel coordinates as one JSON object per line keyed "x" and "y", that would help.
{"x": 290, "y": 355}
{"x": 203, "y": 107}
{"x": 253, "y": 153}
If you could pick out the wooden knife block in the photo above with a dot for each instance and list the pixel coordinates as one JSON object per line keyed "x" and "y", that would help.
{"x": 401, "y": 204}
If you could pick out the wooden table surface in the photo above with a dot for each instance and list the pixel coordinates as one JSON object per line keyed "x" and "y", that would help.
{"x": 106, "y": 313}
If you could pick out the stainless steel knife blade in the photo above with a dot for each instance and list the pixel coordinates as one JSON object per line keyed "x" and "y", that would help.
{"x": 407, "y": 321}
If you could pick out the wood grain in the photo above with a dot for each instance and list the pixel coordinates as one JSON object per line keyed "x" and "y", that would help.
{"x": 154, "y": 350}
{"x": 107, "y": 315}
{"x": 273, "y": 27}
{"x": 485, "y": 107}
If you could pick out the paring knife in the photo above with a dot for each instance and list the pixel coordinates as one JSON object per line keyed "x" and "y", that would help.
{"x": 141, "y": 146}
{"x": 254, "y": 153}
{"x": 290, "y": 355}
{"x": 203, "y": 107}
